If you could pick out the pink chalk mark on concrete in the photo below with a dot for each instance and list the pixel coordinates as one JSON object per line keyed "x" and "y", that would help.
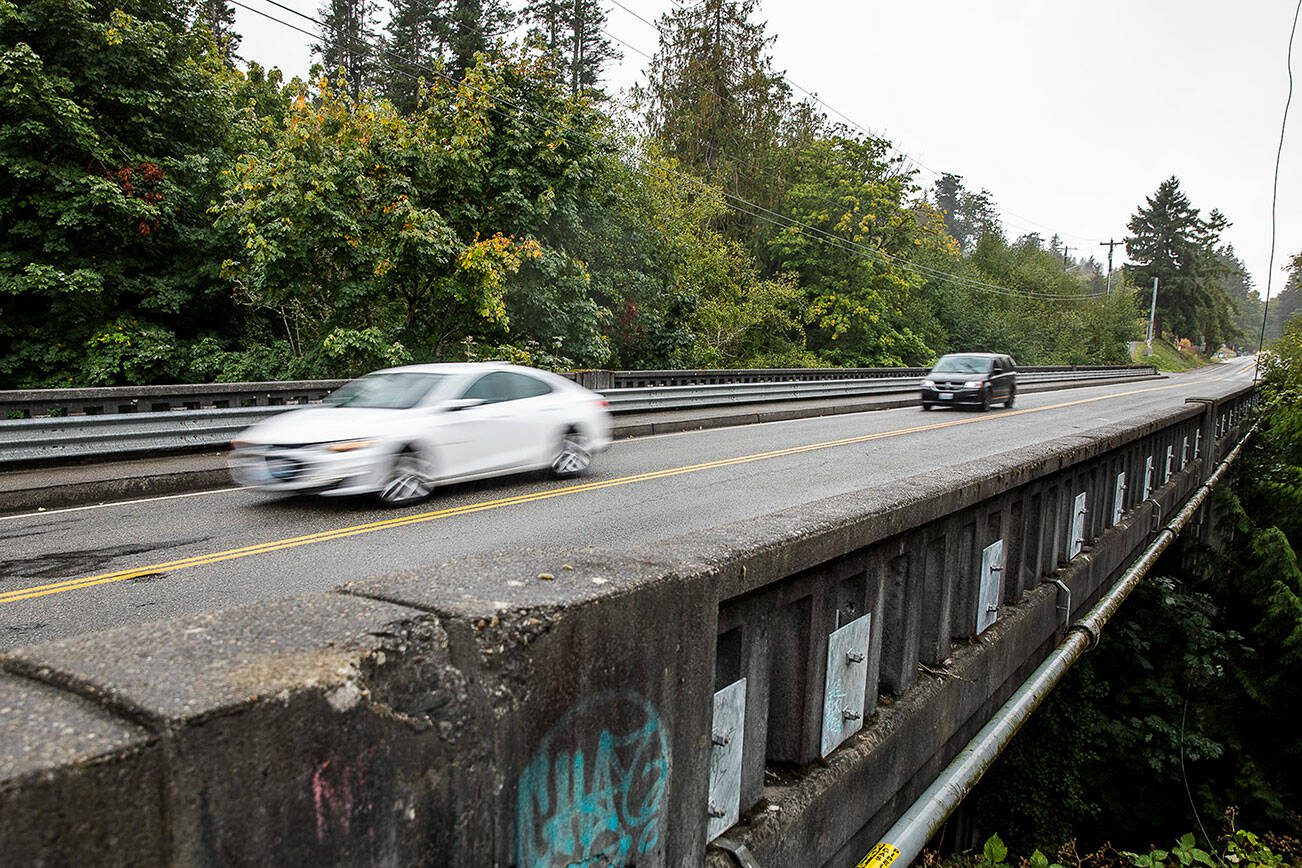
{"x": 334, "y": 789}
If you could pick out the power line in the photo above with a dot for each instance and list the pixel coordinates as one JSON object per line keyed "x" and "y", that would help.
{"x": 865, "y": 130}
{"x": 1274, "y": 194}
{"x": 731, "y": 200}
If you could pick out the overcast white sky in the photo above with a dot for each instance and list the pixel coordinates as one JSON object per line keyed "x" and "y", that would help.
{"x": 1070, "y": 113}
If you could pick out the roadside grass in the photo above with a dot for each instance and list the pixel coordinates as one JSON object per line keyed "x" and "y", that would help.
{"x": 1168, "y": 358}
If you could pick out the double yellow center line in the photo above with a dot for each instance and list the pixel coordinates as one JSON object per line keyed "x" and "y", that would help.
{"x": 60, "y": 587}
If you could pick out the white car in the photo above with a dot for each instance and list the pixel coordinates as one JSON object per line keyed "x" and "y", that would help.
{"x": 398, "y": 432}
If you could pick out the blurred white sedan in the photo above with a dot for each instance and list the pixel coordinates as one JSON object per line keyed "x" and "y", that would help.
{"x": 398, "y": 432}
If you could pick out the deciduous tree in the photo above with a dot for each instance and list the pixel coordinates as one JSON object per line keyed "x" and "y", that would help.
{"x": 116, "y": 122}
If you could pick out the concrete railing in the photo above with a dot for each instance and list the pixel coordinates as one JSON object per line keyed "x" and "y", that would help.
{"x": 101, "y": 401}
{"x": 48, "y": 439}
{"x": 549, "y": 708}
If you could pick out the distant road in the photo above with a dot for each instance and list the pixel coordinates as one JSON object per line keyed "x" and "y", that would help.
{"x": 89, "y": 568}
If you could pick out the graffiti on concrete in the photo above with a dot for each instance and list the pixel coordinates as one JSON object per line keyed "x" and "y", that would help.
{"x": 592, "y": 793}
{"x": 338, "y": 792}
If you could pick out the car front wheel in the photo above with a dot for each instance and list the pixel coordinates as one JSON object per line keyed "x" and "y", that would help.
{"x": 1012, "y": 398}
{"x": 573, "y": 455}
{"x": 408, "y": 481}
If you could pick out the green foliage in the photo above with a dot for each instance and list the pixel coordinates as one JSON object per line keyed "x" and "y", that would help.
{"x": 1184, "y": 852}
{"x": 412, "y": 226}
{"x": 993, "y": 852}
{"x": 713, "y": 99}
{"x": 116, "y": 122}
{"x": 572, "y": 33}
{"x": 348, "y": 44}
{"x": 864, "y": 308}
{"x": 1168, "y": 357}
{"x": 1193, "y": 682}
{"x": 1237, "y": 847}
{"x": 165, "y": 216}
{"x": 1171, "y": 241}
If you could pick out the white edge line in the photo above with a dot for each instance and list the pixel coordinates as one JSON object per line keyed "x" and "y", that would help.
{"x": 105, "y": 505}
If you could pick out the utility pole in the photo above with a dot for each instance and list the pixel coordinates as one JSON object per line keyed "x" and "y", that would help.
{"x": 1065, "y": 250}
{"x": 1109, "y": 244}
{"x": 1152, "y": 318}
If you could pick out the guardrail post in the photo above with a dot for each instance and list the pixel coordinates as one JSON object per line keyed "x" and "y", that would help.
{"x": 596, "y": 379}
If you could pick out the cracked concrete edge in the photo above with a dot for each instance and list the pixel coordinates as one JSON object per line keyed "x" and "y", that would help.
{"x": 60, "y": 495}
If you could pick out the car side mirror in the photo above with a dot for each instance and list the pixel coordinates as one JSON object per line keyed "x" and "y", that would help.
{"x": 460, "y": 403}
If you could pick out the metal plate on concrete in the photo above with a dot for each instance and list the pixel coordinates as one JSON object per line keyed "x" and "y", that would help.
{"x": 846, "y": 681}
{"x": 1078, "y": 513}
{"x": 988, "y": 597}
{"x": 1148, "y": 477}
{"x": 1170, "y": 458}
{"x": 725, "y": 757}
{"x": 1198, "y": 444}
{"x": 1119, "y": 499}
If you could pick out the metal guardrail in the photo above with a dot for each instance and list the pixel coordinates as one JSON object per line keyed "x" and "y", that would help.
{"x": 112, "y": 400}
{"x": 31, "y": 403}
{"x": 676, "y": 397}
{"x": 120, "y": 435}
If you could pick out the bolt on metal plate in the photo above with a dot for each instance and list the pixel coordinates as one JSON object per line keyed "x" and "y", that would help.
{"x": 726, "y": 733}
{"x": 990, "y": 588}
{"x": 845, "y": 682}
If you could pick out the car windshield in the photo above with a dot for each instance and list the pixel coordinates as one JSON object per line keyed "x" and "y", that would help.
{"x": 961, "y": 365}
{"x": 396, "y": 391}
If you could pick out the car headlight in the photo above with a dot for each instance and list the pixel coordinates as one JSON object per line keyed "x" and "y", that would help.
{"x": 349, "y": 445}
{"x": 928, "y": 384}
{"x": 975, "y": 384}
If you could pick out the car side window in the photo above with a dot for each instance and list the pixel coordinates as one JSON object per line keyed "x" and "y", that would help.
{"x": 491, "y": 388}
{"x": 525, "y": 386}
{"x": 501, "y": 386}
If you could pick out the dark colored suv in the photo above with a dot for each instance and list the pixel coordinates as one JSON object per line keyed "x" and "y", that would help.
{"x": 979, "y": 379}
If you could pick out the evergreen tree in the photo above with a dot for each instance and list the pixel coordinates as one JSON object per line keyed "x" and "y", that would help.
{"x": 712, "y": 97}
{"x": 427, "y": 38}
{"x": 1236, "y": 283}
{"x": 1171, "y": 241}
{"x": 348, "y": 42}
{"x": 417, "y": 35}
{"x": 968, "y": 216}
{"x": 571, "y": 33}
{"x": 219, "y": 17}
{"x": 473, "y": 26}
{"x": 1284, "y": 304}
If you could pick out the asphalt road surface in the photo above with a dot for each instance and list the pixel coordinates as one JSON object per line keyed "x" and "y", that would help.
{"x": 65, "y": 572}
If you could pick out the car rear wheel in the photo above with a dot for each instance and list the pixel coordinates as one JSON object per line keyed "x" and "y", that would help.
{"x": 408, "y": 481}
{"x": 573, "y": 455}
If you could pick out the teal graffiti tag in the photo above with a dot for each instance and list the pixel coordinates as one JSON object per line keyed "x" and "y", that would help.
{"x": 592, "y": 793}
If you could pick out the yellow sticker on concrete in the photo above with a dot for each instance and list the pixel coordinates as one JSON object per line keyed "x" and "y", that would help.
{"x": 879, "y": 857}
